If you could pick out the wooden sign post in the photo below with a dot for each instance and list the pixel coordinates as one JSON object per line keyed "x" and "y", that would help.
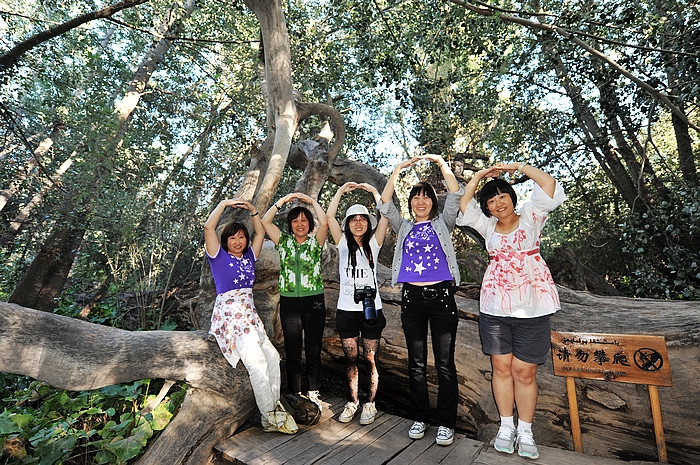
{"x": 625, "y": 358}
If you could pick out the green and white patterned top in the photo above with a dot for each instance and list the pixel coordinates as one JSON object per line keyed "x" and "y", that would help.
{"x": 300, "y": 266}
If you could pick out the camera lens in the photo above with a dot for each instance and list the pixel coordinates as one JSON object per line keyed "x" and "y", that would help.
{"x": 369, "y": 309}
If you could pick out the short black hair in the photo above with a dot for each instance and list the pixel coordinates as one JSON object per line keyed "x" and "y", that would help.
{"x": 493, "y": 188}
{"x": 232, "y": 229}
{"x": 294, "y": 214}
{"x": 424, "y": 188}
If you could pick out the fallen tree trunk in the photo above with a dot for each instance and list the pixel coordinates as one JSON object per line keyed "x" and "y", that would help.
{"x": 73, "y": 354}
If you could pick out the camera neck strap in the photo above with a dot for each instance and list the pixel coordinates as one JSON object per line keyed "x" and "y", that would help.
{"x": 354, "y": 275}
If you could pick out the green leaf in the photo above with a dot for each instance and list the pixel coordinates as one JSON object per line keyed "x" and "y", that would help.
{"x": 130, "y": 447}
{"x": 53, "y": 449}
{"x": 161, "y": 417}
{"x": 22, "y": 419}
{"x": 104, "y": 456}
{"x": 8, "y": 426}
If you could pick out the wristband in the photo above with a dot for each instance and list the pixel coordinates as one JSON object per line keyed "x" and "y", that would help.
{"x": 254, "y": 214}
{"x": 278, "y": 208}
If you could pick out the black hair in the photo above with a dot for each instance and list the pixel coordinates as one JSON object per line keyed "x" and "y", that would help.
{"x": 294, "y": 214}
{"x": 427, "y": 189}
{"x": 353, "y": 247}
{"x": 493, "y": 188}
{"x": 231, "y": 229}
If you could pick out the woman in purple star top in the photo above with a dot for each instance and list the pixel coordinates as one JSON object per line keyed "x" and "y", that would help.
{"x": 425, "y": 262}
{"x": 517, "y": 293}
{"x": 235, "y": 323}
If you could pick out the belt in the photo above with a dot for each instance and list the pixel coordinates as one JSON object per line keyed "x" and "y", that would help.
{"x": 432, "y": 291}
{"x": 514, "y": 254}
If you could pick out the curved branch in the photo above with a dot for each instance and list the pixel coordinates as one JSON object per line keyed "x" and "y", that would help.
{"x": 12, "y": 55}
{"x": 490, "y": 11}
{"x": 305, "y": 110}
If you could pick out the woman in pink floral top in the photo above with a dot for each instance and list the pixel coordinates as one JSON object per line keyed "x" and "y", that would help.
{"x": 517, "y": 293}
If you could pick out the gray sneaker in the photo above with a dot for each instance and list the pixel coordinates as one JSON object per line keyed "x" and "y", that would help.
{"x": 505, "y": 440}
{"x": 417, "y": 430}
{"x": 444, "y": 436}
{"x": 526, "y": 445}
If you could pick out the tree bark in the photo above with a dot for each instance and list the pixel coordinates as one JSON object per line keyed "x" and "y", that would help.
{"x": 44, "y": 279}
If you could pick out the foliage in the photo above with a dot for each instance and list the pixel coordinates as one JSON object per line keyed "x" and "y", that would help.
{"x": 665, "y": 248}
{"x": 411, "y": 76}
{"x": 43, "y": 425}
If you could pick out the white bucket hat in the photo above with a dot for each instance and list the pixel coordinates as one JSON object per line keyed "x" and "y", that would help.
{"x": 358, "y": 209}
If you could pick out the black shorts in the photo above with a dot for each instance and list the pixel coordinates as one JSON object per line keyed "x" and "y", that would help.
{"x": 528, "y": 339}
{"x": 351, "y": 324}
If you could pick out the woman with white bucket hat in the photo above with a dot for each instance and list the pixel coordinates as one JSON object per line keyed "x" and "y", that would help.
{"x": 359, "y": 311}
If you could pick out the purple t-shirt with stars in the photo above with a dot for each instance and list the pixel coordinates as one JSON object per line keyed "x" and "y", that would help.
{"x": 230, "y": 272}
{"x": 423, "y": 258}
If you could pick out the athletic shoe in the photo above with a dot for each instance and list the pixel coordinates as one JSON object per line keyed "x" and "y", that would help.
{"x": 417, "y": 431}
{"x": 314, "y": 397}
{"x": 445, "y": 436}
{"x": 505, "y": 440}
{"x": 369, "y": 411}
{"x": 348, "y": 412}
{"x": 526, "y": 445}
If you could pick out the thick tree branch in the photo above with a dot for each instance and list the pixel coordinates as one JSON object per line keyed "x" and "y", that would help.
{"x": 12, "y": 55}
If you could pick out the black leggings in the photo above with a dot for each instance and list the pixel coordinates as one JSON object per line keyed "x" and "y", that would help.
{"x": 303, "y": 321}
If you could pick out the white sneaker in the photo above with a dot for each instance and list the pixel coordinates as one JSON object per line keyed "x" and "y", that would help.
{"x": 417, "y": 431}
{"x": 505, "y": 440}
{"x": 526, "y": 445}
{"x": 314, "y": 397}
{"x": 445, "y": 436}
{"x": 348, "y": 412}
{"x": 369, "y": 411}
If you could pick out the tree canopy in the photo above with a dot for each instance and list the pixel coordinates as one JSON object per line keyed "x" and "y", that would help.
{"x": 122, "y": 124}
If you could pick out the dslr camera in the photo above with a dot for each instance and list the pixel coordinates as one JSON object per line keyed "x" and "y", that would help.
{"x": 366, "y": 295}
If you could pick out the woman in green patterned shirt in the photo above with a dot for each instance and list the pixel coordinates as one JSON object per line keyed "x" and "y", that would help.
{"x": 302, "y": 304}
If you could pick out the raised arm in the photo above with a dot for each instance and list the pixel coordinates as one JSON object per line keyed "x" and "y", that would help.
{"x": 322, "y": 231}
{"x": 543, "y": 179}
{"x": 447, "y": 174}
{"x": 272, "y": 231}
{"x": 256, "y": 242}
{"x": 388, "y": 191}
{"x": 383, "y": 224}
{"x": 473, "y": 185}
{"x": 211, "y": 238}
{"x": 333, "y": 225}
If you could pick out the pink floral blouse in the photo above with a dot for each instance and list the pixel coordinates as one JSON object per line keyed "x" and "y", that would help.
{"x": 517, "y": 282}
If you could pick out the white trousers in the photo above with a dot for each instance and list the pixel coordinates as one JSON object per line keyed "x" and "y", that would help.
{"x": 262, "y": 361}
{"x": 240, "y": 333}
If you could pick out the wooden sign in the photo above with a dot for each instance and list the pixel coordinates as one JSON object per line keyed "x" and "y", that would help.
{"x": 625, "y": 358}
